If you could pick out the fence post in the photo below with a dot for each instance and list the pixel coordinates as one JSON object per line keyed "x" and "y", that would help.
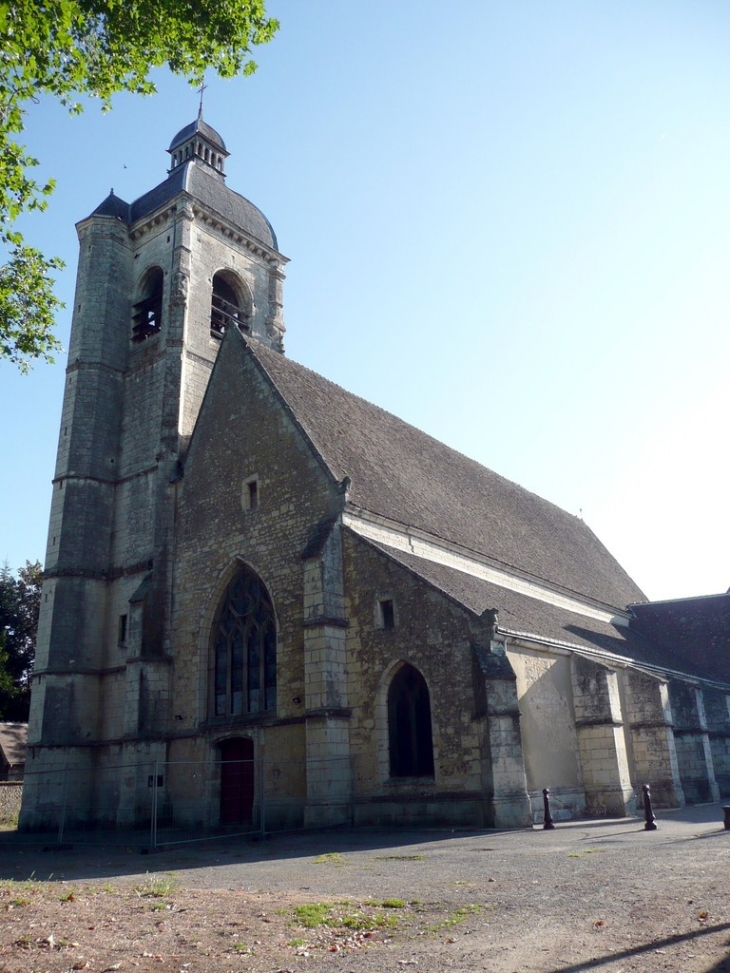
{"x": 153, "y": 821}
{"x": 64, "y": 798}
{"x": 353, "y": 770}
{"x": 263, "y": 797}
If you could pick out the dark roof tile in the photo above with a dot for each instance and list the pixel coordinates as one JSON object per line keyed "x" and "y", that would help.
{"x": 696, "y": 629}
{"x": 403, "y": 474}
{"x": 206, "y": 187}
{"x": 530, "y": 616}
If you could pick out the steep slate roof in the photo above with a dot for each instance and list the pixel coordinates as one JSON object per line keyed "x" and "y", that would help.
{"x": 403, "y": 474}
{"x": 205, "y": 187}
{"x": 113, "y": 206}
{"x": 696, "y": 629}
{"x": 530, "y": 616}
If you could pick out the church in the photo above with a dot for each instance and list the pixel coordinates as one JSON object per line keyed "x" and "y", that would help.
{"x": 265, "y": 597}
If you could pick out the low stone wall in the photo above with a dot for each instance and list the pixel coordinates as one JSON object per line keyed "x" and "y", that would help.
{"x": 11, "y": 792}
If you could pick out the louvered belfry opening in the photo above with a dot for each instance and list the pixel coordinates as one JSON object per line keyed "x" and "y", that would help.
{"x": 147, "y": 312}
{"x": 228, "y": 308}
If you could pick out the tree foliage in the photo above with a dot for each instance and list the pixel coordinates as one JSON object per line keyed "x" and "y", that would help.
{"x": 74, "y": 48}
{"x": 20, "y": 602}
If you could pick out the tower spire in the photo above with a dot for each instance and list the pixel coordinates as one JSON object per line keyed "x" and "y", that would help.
{"x": 201, "y": 89}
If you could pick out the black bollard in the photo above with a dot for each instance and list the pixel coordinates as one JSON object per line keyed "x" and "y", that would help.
{"x": 648, "y": 813}
{"x": 548, "y": 826}
{"x": 726, "y": 815}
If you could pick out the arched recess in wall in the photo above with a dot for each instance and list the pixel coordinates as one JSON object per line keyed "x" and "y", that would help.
{"x": 237, "y": 780}
{"x": 147, "y": 309}
{"x": 243, "y": 669}
{"x": 231, "y": 304}
{"x": 409, "y": 724}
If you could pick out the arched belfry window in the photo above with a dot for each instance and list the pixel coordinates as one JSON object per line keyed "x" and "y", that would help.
{"x": 244, "y": 649}
{"x": 409, "y": 725}
{"x": 147, "y": 312}
{"x": 229, "y": 307}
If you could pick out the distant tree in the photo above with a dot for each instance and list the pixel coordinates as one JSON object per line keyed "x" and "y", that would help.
{"x": 70, "y": 48}
{"x": 20, "y": 602}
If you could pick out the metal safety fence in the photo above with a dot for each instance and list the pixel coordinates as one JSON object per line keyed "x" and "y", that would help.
{"x": 160, "y": 803}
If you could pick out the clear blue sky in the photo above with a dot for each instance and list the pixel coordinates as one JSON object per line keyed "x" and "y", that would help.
{"x": 508, "y": 223}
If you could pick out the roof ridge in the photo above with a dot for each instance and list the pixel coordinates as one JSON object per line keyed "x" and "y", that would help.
{"x": 405, "y": 474}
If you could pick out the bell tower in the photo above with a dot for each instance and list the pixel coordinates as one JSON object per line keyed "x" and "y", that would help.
{"x": 159, "y": 282}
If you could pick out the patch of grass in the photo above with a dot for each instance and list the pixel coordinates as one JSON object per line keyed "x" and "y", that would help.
{"x": 68, "y": 897}
{"x": 24, "y": 884}
{"x": 156, "y": 887}
{"x": 313, "y": 915}
{"x": 242, "y": 948}
{"x": 588, "y": 851}
{"x": 399, "y": 858}
{"x": 456, "y": 917}
{"x": 19, "y": 902}
{"x": 342, "y": 915}
{"x": 330, "y": 858}
{"x": 360, "y": 922}
{"x": 297, "y": 942}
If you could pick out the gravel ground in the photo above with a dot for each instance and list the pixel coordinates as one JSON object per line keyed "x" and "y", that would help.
{"x": 590, "y": 895}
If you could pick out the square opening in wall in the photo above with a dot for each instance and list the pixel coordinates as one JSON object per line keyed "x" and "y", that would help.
{"x": 250, "y": 493}
{"x": 386, "y": 612}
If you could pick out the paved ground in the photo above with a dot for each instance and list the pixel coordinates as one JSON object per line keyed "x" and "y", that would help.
{"x": 589, "y": 895}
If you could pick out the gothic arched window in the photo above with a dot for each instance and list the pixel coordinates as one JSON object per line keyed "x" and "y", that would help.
{"x": 244, "y": 649}
{"x": 409, "y": 725}
{"x": 228, "y": 306}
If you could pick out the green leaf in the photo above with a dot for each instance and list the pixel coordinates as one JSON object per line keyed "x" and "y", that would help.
{"x": 69, "y": 48}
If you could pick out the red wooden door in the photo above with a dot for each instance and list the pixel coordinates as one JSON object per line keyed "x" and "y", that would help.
{"x": 237, "y": 781}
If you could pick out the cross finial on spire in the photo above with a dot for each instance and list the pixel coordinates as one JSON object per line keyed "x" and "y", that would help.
{"x": 201, "y": 89}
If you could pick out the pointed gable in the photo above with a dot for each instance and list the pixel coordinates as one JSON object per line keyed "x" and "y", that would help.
{"x": 402, "y": 474}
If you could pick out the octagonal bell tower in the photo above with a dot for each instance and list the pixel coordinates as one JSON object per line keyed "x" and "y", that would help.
{"x": 159, "y": 282}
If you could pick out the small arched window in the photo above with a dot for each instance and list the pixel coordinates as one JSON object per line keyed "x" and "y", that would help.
{"x": 244, "y": 649}
{"x": 409, "y": 725}
{"x": 228, "y": 307}
{"x": 147, "y": 312}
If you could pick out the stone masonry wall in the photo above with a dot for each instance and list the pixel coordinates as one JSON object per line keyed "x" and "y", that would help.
{"x": 11, "y": 792}
{"x": 548, "y": 729}
{"x": 244, "y": 432}
{"x": 601, "y": 742}
{"x": 435, "y": 636}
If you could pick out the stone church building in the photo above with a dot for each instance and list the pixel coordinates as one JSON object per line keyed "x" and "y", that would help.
{"x": 262, "y": 591}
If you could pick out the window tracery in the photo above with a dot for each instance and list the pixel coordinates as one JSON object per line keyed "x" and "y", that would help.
{"x": 244, "y": 663}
